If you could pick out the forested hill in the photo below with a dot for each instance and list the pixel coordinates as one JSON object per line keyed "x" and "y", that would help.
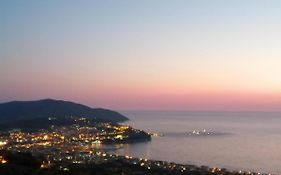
{"x": 18, "y": 110}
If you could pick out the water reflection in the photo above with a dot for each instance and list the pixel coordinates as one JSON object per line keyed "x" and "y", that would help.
{"x": 247, "y": 141}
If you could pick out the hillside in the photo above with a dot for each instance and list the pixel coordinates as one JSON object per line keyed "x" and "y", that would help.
{"x": 18, "y": 110}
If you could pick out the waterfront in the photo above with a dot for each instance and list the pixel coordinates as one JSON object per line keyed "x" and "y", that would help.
{"x": 73, "y": 138}
{"x": 251, "y": 145}
{"x": 242, "y": 143}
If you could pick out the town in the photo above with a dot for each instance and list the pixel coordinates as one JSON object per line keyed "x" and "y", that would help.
{"x": 77, "y": 135}
{"x": 77, "y": 141}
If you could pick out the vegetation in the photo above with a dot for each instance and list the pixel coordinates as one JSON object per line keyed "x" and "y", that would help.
{"x": 19, "y": 110}
{"x": 35, "y": 124}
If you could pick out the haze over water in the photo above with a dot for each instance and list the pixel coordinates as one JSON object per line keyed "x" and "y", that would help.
{"x": 252, "y": 143}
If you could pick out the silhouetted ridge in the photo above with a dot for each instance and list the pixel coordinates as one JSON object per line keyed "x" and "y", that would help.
{"x": 18, "y": 110}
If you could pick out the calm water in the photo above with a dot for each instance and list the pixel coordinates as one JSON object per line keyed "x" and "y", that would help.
{"x": 252, "y": 142}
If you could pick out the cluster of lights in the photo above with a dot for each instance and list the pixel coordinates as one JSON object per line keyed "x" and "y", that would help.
{"x": 78, "y": 139}
{"x": 46, "y": 164}
{"x": 2, "y": 143}
{"x": 86, "y": 137}
{"x": 2, "y": 160}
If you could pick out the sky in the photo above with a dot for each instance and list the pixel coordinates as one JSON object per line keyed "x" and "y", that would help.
{"x": 152, "y": 55}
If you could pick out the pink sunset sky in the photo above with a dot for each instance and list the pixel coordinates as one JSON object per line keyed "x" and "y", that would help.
{"x": 151, "y": 55}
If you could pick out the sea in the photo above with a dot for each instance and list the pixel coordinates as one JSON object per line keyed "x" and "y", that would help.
{"x": 247, "y": 141}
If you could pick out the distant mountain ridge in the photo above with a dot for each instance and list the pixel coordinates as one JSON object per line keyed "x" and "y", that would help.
{"x": 17, "y": 110}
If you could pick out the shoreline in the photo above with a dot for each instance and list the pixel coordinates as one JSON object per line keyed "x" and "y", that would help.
{"x": 112, "y": 163}
{"x": 227, "y": 169}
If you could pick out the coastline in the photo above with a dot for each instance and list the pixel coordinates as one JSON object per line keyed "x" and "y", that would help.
{"x": 105, "y": 163}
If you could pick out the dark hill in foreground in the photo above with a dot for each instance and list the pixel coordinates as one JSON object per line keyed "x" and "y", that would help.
{"x": 18, "y": 110}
